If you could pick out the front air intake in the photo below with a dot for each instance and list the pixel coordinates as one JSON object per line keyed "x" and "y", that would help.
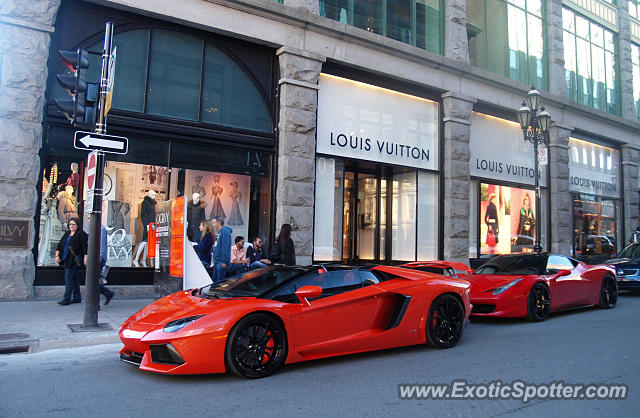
{"x": 165, "y": 354}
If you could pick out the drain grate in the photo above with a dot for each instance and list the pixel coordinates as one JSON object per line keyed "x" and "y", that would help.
{"x": 17, "y": 342}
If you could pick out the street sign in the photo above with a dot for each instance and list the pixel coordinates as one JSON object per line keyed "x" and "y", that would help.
{"x": 107, "y": 143}
{"x": 91, "y": 171}
{"x": 543, "y": 156}
{"x": 110, "y": 81}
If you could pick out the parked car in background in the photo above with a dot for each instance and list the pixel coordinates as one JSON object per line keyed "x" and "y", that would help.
{"x": 533, "y": 285}
{"x": 627, "y": 265}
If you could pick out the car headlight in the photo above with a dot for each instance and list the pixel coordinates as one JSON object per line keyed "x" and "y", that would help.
{"x": 501, "y": 289}
{"x": 178, "y": 324}
{"x": 620, "y": 272}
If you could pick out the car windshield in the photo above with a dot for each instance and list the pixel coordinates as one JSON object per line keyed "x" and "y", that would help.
{"x": 630, "y": 251}
{"x": 253, "y": 283}
{"x": 514, "y": 264}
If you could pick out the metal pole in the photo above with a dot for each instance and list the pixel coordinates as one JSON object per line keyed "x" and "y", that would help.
{"x": 537, "y": 247}
{"x": 95, "y": 212}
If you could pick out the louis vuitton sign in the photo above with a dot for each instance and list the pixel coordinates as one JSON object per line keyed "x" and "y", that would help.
{"x": 14, "y": 234}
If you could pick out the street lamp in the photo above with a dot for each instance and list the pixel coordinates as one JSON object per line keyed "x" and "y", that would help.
{"x": 534, "y": 121}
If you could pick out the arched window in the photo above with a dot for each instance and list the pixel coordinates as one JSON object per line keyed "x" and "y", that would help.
{"x": 167, "y": 73}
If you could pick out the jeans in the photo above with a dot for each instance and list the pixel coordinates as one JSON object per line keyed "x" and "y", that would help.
{"x": 218, "y": 273}
{"x": 71, "y": 284}
{"x": 257, "y": 265}
{"x": 233, "y": 269}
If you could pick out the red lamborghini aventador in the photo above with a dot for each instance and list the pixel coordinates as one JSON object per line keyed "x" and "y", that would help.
{"x": 253, "y": 323}
{"x": 532, "y": 285}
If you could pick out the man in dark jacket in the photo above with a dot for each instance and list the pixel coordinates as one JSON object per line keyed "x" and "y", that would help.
{"x": 257, "y": 255}
{"x": 222, "y": 252}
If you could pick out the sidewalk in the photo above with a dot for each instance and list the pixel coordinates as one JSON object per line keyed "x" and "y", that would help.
{"x": 46, "y": 322}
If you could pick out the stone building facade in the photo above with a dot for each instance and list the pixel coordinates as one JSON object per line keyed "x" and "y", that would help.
{"x": 305, "y": 43}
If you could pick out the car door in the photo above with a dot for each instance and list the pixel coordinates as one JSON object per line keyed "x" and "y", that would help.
{"x": 334, "y": 322}
{"x": 565, "y": 290}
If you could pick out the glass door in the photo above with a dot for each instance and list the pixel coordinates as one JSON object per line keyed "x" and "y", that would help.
{"x": 361, "y": 229}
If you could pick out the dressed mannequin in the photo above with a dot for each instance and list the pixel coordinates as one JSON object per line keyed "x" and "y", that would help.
{"x": 74, "y": 178}
{"x": 147, "y": 215}
{"x": 67, "y": 205}
{"x": 195, "y": 215}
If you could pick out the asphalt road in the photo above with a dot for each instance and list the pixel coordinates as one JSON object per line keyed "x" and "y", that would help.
{"x": 583, "y": 346}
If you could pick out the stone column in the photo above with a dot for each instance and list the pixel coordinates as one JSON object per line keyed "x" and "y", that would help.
{"x": 555, "y": 48}
{"x": 630, "y": 166}
{"x": 25, "y": 36}
{"x": 560, "y": 210}
{"x": 312, "y": 6}
{"x": 625, "y": 66}
{"x": 299, "y": 72}
{"x": 457, "y": 132}
{"x": 456, "y": 44}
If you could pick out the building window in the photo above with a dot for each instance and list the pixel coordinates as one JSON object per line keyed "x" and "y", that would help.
{"x": 590, "y": 56}
{"x": 634, "y": 8}
{"x": 414, "y": 22}
{"x": 507, "y": 38}
{"x": 168, "y": 73}
{"x": 635, "y": 61}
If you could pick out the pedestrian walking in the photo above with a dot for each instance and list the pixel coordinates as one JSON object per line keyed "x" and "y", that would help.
{"x": 71, "y": 253}
{"x": 104, "y": 269}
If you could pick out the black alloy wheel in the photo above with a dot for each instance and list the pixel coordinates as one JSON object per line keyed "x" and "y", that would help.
{"x": 608, "y": 292}
{"x": 256, "y": 347}
{"x": 538, "y": 303}
{"x": 445, "y": 321}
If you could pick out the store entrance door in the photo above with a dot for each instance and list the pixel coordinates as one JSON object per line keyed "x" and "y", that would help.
{"x": 362, "y": 227}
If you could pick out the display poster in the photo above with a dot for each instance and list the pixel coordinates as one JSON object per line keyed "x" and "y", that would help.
{"x": 163, "y": 283}
{"x": 366, "y": 122}
{"x": 224, "y": 195}
{"x": 14, "y": 233}
{"x": 176, "y": 257}
{"x": 507, "y": 219}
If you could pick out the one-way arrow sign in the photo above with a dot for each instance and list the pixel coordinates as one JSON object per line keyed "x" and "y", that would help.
{"x": 106, "y": 143}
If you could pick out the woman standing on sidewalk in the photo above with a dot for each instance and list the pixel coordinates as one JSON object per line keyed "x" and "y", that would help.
{"x": 72, "y": 254}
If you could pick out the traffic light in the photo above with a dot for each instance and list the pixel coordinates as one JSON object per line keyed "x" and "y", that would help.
{"x": 81, "y": 111}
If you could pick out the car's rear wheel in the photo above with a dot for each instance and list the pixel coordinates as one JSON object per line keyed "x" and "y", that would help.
{"x": 538, "y": 303}
{"x": 445, "y": 321}
{"x": 256, "y": 346}
{"x": 608, "y": 292}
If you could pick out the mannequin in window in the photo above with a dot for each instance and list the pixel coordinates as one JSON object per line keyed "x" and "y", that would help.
{"x": 67, "y": 206}
{"x": 74, "y": 179}
{"x": 216, "y": 190}
{"x": 195, "y": 215}
{"x": 198, "y": 188}
{"x": 147, "y": 215}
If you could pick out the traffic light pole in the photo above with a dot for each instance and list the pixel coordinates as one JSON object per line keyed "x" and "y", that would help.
{"x": 95, "y": 212}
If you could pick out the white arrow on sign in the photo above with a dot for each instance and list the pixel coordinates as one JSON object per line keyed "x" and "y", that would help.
{"x": 89, "y": 141}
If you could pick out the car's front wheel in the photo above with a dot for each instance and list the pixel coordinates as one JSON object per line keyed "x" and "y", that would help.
{"x": 445, "y": 321}
{"x": 608, "y": 292}
{"x": 538, "y": 303}
{"x": 256, "y": 346}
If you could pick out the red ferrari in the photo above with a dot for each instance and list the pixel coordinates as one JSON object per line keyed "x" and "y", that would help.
{"x": 533, "y": 285}
{"x": 254, "y": 323}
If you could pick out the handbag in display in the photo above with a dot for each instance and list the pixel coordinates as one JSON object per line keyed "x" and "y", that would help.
{"x": 491, "y": 238}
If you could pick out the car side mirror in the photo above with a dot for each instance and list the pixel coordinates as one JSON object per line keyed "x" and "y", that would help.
{"x": 308, "y": 292}
{"x": 561, "y": 273}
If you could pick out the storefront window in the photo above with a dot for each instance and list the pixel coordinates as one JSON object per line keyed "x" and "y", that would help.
{"x": 635, "y": 68}
{"x": 594, "y": 181}
{"x": 234, "y": 185}
{"x": 508, "y": 219}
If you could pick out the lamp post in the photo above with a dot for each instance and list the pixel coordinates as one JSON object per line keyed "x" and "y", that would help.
{"x": 534, "y": 121}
